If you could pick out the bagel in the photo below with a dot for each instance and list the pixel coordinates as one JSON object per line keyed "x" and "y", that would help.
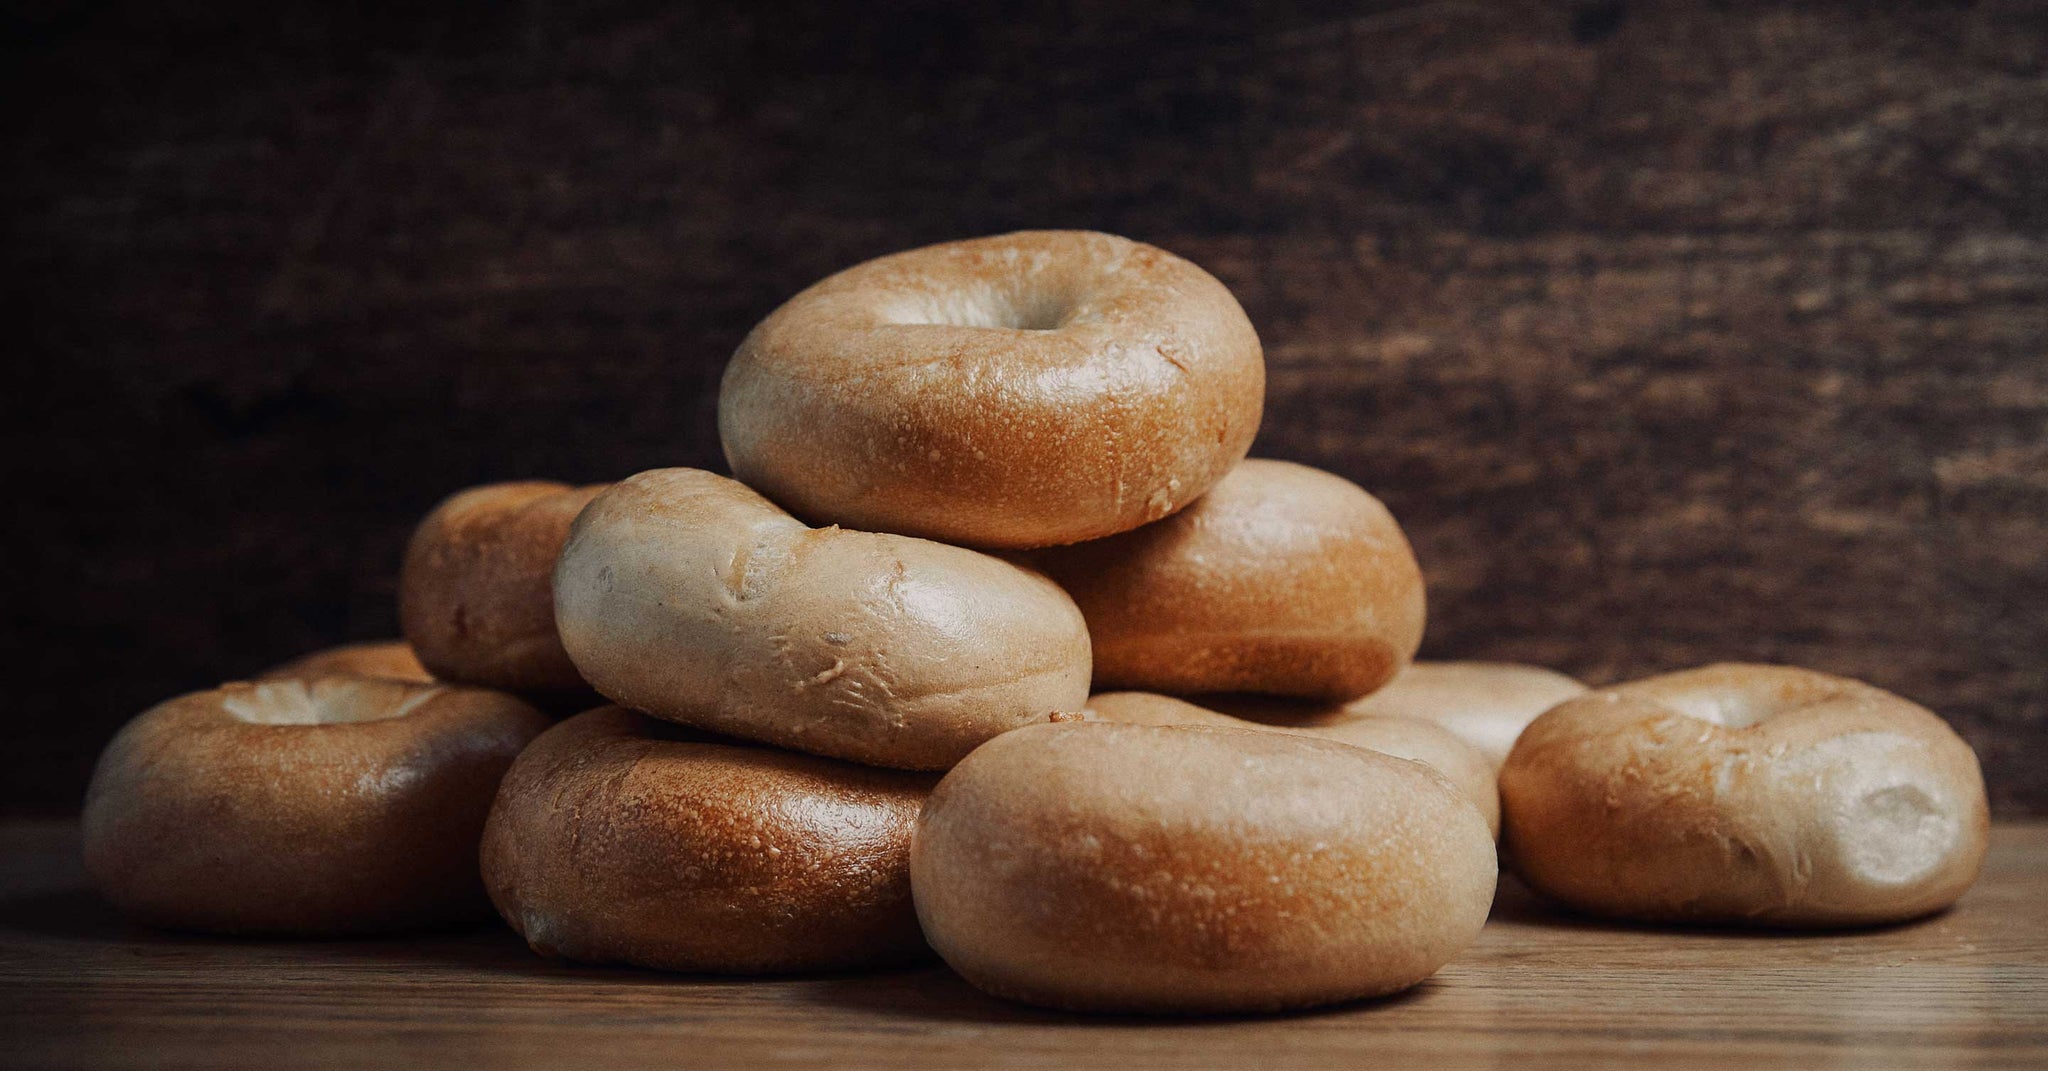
{"x": 1752, "y": 794}
{"x": 389, "y": 659}
{"x": 1183, "y": 869}
{"x": 1404, "y": 738}
{"x": 690, "y": 597}
{"x": 619, "y": 838}
{"x": 475, "y": 594}
{"x": 1022, "y": 390}
{"x": 1485, "y": 704}
{"x": 332, "y": 806}
{"x": 1283, "y": 579}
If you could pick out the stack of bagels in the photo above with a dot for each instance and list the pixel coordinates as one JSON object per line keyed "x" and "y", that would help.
{"x": 836, "y": 711}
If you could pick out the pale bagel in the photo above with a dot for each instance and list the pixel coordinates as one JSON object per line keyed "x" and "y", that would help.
{"x": 690, "y": 597}
{"x": 1021, "y": 390}
{"x": 1485, "y": 704}
{"x": 1745, "y": 794}
{"x": 1406, "y": 738}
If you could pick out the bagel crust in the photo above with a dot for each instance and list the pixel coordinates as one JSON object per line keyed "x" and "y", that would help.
{"x": 1182, "y": 869}
{"x": 687, "y": 596}
{"x": 1486, "y": 704}
{"x": 388, "y": 659}
{"x": 476, "y": 591}
{"x": 1404, "y": 738}
{"x": 1021, "y": 390}
{"x": 619, "y": 838}
{"x": 333, "y": 806}
{"x": 1753, "y": 794}
{"x": 1283, "y": 580}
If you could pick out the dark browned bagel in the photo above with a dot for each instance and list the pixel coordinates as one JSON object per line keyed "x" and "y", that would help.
{"x": 619, "y": 838}
{"x": 476, "y": 591}
{"x": 336, "y": 805}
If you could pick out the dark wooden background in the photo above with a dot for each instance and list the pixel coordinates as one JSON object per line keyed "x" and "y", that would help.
{"x": 1672, "y": 331}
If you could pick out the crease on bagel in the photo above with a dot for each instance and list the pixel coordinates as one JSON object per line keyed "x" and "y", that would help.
{"x": 865, "y": 646}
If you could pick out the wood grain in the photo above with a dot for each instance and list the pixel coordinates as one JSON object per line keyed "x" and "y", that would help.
{"x": 1671, "y": 331}
{"x": 80, "y": 988}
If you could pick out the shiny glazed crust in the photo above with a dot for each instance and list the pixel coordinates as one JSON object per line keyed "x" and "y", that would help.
{"x": 198, "y": 819}
{"x": 1745, "y": 794}
{"x": 1022, "y": 390}
{"x": 618, "y": 838}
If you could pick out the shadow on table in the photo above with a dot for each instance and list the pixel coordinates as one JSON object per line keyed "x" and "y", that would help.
{"x": 1515, "y": 902}
{"x": 77, "y": 914}
{"x": 936, "y": 994}
{"x": 70, "y": 914}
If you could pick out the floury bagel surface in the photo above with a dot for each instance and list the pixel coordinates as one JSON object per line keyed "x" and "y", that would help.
{"x": 1754, "y": 794}
{"x": 688, "y": 596}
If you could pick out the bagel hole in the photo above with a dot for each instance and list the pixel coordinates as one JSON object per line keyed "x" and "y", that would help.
{"x": 1729, "y": 710}
{"x": 1741, "y": 708}
{"x": 1040, "y": 311}
{"x": 325, "y": 701}
{"x": 1031, "y": 309}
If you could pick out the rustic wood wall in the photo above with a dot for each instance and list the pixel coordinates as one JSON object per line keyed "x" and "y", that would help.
{"x": 1673, "y": 331}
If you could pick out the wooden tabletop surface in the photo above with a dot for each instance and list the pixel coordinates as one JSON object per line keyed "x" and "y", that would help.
{"x": 81, "y": 988}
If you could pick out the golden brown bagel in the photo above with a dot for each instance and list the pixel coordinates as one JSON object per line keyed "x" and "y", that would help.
{"x": 338, "y": 805}
{"x": 1022, "y": 390}
{"x": 1184, "y": 869}
{"x": 690, "y": 597}
{"x": 1283, "y": 579}
{"x": 1745, "y": 794}
{"x": 619, "y": 838}
{"x": 389, "y": 659}
{"x": 1405, "y": 738}
{"x": 476, "y": 592}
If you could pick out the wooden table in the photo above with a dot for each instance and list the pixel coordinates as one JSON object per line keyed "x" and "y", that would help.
{"x": 80, "y": 988}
